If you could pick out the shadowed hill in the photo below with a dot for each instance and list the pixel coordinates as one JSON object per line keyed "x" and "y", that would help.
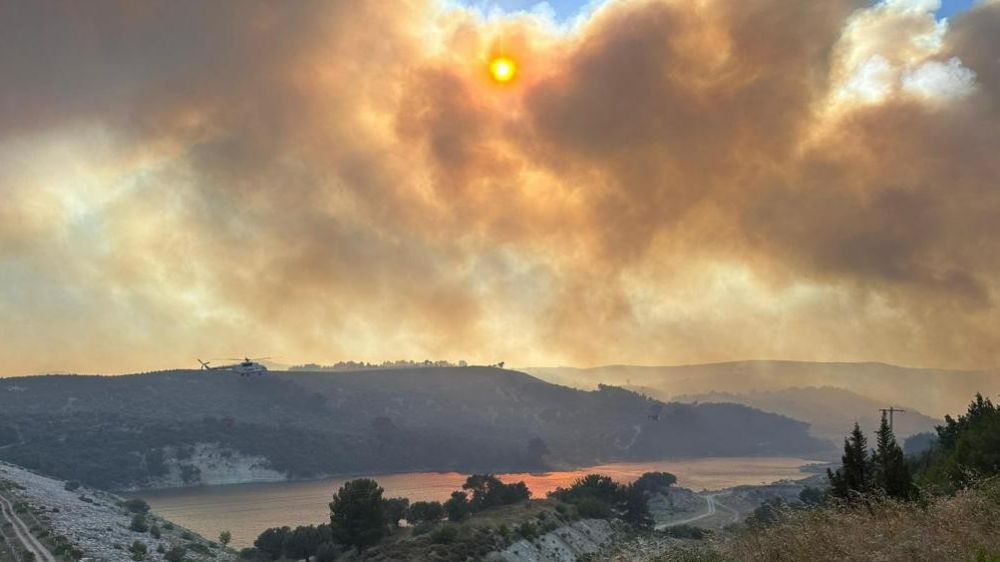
{"x": 829, "y": 411}
{"x": 123, "y": 431}
{"x": 932, "y": 391}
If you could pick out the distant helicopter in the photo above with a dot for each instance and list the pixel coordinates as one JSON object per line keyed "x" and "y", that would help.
{"x": 245, "y": 367}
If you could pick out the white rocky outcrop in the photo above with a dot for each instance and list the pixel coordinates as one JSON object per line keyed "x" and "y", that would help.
{"x": 213, "y": 465}
{"x": 565, "y": 544}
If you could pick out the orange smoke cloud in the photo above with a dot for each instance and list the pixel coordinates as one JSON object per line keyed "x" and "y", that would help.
{"x": 662, "y": 183}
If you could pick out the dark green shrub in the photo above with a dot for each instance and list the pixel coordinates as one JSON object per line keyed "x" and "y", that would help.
{"x": 137, "y": 505}
{"x": 139, "y": 524}
{"x": 445, "y": 534}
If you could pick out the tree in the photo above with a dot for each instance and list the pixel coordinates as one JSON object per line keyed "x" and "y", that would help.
{"x": 596, "y": 486}
{"x": 968, "y": 448}
{"x": 655, "y": 482}
{"x": 488, "y": 491}
{"x": 225, "y": 537}
{"x": 357, "y": 513}
{"x": 637, "y": 508}
{"x": 395, "y": 509}
{"x": 457, "y": 507}
{"x": 812, "y": 496}
{"x": 302, "y": 542}
{"x": 853, "y": 478}
{"x": 425, "y": 511}
{"x": 890, "y": 472}
{"x": 272, "y": 542}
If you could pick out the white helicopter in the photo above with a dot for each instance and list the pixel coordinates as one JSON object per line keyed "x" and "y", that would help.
{"x": 245, "y": 367}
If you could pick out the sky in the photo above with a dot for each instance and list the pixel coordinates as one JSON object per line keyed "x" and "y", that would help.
{"x": 663, "y": 182}
{"x": 569, "y": 9}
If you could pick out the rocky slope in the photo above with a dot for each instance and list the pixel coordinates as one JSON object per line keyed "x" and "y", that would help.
{"x": 565, "y": 544}
{"x": 95, "y": 523}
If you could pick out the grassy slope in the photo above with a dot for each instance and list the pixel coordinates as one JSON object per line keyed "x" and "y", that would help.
{"x": 947, "y": 529}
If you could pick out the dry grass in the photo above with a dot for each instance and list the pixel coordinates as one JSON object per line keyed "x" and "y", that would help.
{"x": 961, "y": 528}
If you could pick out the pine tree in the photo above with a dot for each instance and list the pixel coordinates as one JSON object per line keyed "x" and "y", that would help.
{"x": 890, "y": 472}
{"x": 854, "y": 478}
{"x": 357, "y": 514}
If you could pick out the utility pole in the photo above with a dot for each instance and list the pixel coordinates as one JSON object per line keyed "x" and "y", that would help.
{"x": 890, "y": 410}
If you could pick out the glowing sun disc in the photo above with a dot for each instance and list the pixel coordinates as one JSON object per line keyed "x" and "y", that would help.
{"x": 503, "y": 69}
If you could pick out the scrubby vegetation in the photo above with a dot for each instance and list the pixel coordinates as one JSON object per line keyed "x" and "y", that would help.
{"x": 486, "y": 515}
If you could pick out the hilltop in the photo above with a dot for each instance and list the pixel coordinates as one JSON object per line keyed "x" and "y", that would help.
{"x": 195, "y": 427}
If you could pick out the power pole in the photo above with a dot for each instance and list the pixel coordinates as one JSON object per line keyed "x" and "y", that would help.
{"x": 890, "y": 411}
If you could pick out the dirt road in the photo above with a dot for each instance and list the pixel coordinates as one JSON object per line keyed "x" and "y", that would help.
{"x": 31, "y": 544}
{"x": 711, "y": 505}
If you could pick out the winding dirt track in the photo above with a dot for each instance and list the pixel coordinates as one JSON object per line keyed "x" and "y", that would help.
{"x": 710, "y": 503}
{"x": 29, "y": 541}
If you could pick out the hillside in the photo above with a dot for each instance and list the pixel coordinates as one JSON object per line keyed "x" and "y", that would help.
{"x": 181, "y": 427}
{"x": 830, "y": 412}
{"x": 60, "y": 522}
{"x": 932, "y": 391}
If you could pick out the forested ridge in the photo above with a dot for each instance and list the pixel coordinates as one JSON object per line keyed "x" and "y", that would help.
{"x": 113, "y": 431}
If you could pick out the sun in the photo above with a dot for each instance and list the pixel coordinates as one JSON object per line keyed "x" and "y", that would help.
{"x": 503, "y": 69}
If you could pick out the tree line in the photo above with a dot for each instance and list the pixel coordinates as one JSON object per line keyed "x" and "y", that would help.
{"x": 963, "y": 452}
{"x": 361, "y": 516}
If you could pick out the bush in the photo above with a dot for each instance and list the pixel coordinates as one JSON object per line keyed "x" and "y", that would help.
{"x": 154, "y": 532}
{"x": 176, "y": 554}
{"x": 138, "y": 551}
{"x": 423, "y": 528}
{"x": 591, "y": 508}
{"x": 72, "y": 486}
{"x": 445, "y": 534}
{"x": 139, "y": 524}
{"x": 327, "y": 552}
{"x": 137, "y": 505}
{"x": 527, "y": 530}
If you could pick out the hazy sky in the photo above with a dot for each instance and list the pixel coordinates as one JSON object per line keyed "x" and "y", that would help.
{"x": 666, "y": 181}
